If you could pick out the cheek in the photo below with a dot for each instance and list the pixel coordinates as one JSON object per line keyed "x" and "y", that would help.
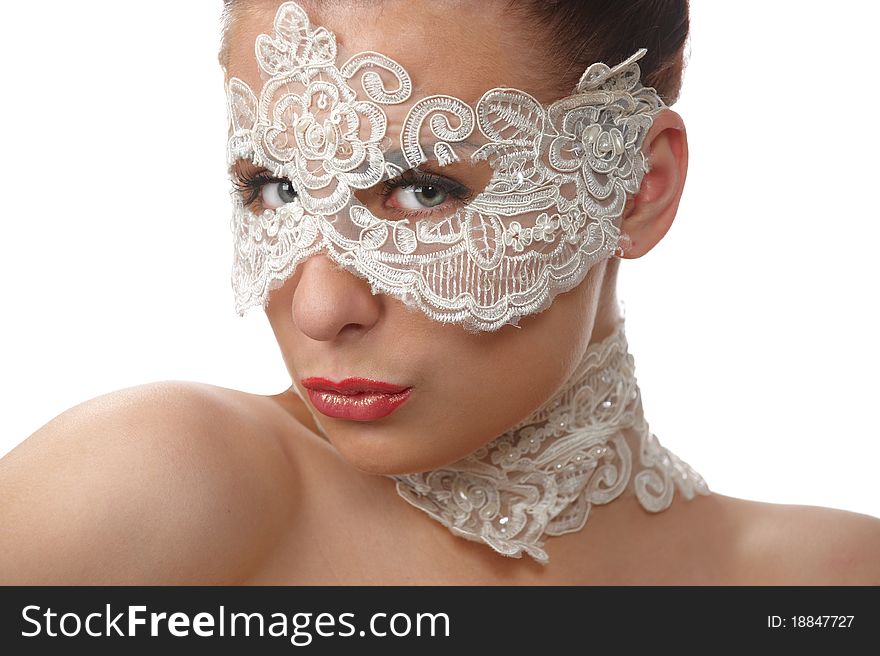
{"x": 278, "y": 313}
{"x": 486, "y": 391}
{"x": 517, "y": 372}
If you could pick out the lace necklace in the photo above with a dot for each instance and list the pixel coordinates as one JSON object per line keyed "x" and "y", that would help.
{"x": 541, "y": 477}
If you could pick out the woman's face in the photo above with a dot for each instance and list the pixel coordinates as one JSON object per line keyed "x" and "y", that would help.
{"x": 467, "y": 388}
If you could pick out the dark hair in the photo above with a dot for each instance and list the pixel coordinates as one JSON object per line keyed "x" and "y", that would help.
{"x": 588, "y": 31}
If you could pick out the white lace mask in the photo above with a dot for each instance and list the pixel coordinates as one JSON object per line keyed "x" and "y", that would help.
{"x": 558, "y": 178}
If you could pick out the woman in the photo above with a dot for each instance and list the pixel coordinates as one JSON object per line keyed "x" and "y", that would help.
{"x": 435, "y": 467}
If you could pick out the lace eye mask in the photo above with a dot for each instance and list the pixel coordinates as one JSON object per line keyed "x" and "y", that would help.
{"x": 548, "y": 183}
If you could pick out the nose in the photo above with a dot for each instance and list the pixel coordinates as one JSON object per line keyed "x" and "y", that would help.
{"x": 329, "y": 302}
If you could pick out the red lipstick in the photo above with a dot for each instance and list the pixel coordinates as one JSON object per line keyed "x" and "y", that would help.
{"x": 356, "y": 399}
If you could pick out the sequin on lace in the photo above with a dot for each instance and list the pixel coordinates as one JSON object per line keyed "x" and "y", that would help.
{"x": 560, "y": 178}
{"x": 542, "y": 477}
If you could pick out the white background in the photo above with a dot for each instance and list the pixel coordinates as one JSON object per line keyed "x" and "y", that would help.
{"x": 753, "y": 323}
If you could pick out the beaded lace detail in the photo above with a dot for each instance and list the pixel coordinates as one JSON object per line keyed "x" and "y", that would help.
{"x": 542, "y": 477}
{"x": 551, "y": 209}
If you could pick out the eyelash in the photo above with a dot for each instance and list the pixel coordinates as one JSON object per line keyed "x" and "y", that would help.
{"x": 252, "y": 184}
{"x": 249, "y": 186}
{"x": 416, "y": 178}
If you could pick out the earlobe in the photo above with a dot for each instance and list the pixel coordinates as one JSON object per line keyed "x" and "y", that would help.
{"x": 651, "y": 211}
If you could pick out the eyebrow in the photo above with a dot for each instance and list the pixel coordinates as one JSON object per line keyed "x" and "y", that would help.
{"x": 396, "y": 156}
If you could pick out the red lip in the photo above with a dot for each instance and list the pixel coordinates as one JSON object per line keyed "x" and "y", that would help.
{"x": 357, "y": 399}
{"x": 352, "y": 385}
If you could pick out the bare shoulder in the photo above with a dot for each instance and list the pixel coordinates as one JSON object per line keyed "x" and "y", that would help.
{"x": 786, "y": 544}
{"x": 167, "y": 482}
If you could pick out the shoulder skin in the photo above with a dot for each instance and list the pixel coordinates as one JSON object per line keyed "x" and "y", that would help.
{"x": 172, "y": 482}
{"x": 808, "y": 545}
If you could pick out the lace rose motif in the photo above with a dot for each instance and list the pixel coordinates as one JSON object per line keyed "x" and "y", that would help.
{"x": 321, "y": 137}
{"x": 598, "y": 139}
{"x": 327, "y": 141}
{"x": 560, "y": 175}
{"x": 542, "y": 477}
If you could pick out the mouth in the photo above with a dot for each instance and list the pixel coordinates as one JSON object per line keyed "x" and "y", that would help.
{"x": 356, "y": 399}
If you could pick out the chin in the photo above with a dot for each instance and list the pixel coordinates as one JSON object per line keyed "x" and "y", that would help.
{"x": 382, "y": 463}
{"x": 386, "y": 456}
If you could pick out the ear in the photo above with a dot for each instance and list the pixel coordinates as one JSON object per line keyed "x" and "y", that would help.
{"x": 651, "y": 211}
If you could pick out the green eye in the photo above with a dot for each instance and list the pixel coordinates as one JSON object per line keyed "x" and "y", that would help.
{"x": 428, "y": 196}
{"x": 418, "y": 192}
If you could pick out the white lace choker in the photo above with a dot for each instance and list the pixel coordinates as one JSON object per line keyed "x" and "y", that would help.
{"x": 542, "y": 477}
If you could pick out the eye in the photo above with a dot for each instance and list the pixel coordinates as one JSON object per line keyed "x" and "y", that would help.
{"x": 421, "y": 192}
{"x": 276, "y": 193}
{"x": 254, "y": 184}
{"x": 418, "y": 197}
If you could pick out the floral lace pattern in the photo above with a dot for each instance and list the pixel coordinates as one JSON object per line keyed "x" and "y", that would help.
{"x": 542, "y": 477}
{"x": 560, "y": 177}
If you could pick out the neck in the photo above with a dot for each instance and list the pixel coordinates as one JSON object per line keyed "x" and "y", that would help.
{"x": 541, "y": 477}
